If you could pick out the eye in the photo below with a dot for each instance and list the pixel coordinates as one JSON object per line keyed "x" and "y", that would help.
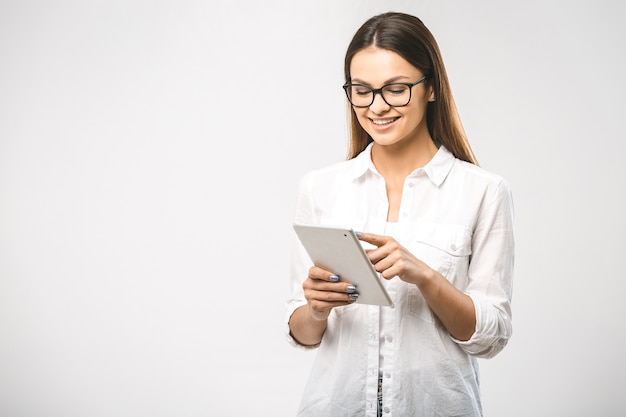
{"x": 396, "y": 89}
{"x": 361, "y": 91}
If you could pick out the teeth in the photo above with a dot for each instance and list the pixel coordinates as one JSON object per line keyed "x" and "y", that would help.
{"x": 383, "y": 122}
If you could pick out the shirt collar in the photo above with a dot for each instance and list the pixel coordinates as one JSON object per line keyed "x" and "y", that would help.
{"x": 437, "y": 168}
{"x": 363, "y": 162}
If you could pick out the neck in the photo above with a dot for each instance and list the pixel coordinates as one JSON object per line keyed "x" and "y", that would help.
{"x": 399, "y": 160}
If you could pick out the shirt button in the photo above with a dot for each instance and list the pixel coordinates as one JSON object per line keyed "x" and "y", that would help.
{"x": 389, "y": 339}
{"x": 411, "y": 185}
{"x": 387, "y": 374}
{"x": 386, "y": 410}
{"x": 453, "y": 246}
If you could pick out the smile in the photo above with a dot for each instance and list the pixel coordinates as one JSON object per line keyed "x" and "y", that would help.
{"x": 383, "y": 122}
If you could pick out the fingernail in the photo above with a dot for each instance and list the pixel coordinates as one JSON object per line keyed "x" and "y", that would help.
{"x": 350, "y": 288}
{"x": 358, "y": 234}
{"x": 334, "y": 278}
{"x": 353, "y": 296}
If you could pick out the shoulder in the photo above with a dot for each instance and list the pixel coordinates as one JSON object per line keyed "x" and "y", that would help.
{"x": 473, "y": 184}
{"x": 477, "y": 175}
{"x": 489, "y": 191}
{"x": 326, "y": 179}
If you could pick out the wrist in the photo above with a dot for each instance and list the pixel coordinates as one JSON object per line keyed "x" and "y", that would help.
{"x": 428, "y": 280}
{"x": 318, "y": 316}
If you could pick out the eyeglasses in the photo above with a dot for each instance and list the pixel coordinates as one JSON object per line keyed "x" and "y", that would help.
{"x": 394, "y": 94}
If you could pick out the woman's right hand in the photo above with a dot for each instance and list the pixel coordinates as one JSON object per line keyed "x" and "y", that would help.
{"x": 323, "y": 291}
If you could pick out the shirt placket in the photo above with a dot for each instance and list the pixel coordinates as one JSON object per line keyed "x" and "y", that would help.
{"x": 406, "y": 204}
{"x": 376, "y": 224}
{"x": 371, "y": 387}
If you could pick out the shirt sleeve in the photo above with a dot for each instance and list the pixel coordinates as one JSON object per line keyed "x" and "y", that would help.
{"x": 491, "y": 273}
{"x": 300, "y": 260}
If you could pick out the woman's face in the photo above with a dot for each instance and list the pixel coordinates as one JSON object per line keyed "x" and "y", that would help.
{"x": 389, "y": 125}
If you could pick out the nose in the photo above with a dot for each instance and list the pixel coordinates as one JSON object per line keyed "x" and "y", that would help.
{"x": 379, "y": 105}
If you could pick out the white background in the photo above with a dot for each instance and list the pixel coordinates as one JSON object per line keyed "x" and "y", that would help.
{"x": 149, "y": 157}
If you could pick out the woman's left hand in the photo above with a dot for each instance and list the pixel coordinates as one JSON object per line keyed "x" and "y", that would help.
{"x": 390, "y": 258}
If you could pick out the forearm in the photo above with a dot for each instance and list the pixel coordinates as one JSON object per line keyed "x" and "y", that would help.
{"x": 453, "y": 308}
{"x": 304, "y": 328}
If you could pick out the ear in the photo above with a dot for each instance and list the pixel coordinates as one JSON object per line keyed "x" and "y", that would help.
{"x": 431, "y": 94}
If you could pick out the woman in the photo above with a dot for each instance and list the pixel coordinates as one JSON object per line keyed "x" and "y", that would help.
{"x": 440, "y": 232}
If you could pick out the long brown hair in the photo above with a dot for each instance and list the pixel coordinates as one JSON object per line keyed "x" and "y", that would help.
{"x": 407, "y": 36}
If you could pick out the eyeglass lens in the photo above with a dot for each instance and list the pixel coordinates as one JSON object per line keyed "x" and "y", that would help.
{"x": 393, "y": 94}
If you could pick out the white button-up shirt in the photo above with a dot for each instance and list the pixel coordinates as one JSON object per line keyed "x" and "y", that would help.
{"x": 456, "y": 217}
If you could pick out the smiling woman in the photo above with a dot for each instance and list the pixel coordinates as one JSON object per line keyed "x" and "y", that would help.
{"x": 441, "y": 237}
{"x": 397, "y": 114}
{"x": 420, "y": 51}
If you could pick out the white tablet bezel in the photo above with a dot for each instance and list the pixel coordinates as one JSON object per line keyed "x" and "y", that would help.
{"x": 338, "y": 250}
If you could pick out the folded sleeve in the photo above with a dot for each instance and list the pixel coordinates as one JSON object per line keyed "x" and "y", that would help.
{"x": 490, "y": 274}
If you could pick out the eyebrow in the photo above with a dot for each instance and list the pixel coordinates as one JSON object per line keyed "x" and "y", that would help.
{"x": 391, "y": 80}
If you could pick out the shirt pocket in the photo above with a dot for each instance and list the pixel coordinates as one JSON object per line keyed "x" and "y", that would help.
{"x": 445, "y": 248}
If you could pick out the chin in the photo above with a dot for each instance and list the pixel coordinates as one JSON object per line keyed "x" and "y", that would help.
{"x": 386, "y": 141}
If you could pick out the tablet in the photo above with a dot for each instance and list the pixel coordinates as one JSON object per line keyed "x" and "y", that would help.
{"x": 339, "y": 251}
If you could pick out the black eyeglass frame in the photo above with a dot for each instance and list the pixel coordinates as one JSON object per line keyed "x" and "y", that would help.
{"x": 380, "y": 91}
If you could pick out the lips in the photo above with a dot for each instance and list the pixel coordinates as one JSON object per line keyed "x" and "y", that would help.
{"x": 384, "y": 122}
